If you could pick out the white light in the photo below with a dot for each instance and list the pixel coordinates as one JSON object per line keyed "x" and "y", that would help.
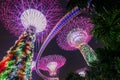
{"x": 82, "y": 73}
{"x": 76, "y": 37}
{"x": 33, "y": 17}
{"x": 33, "y": 65}
{"x": 52, "y": 68}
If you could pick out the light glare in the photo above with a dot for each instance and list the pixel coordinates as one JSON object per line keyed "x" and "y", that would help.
{"x": 33, "y": 17}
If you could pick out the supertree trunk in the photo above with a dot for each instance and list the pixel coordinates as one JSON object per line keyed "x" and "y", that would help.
{"x": 88, "y": 53}
{"x": 16, "y": 65}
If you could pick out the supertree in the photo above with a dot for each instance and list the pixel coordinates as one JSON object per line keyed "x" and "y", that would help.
{"x": 82, "y": 71}
{"x": 17, "y": 15}
{"x": 16, "y": 65}
{"x": 76, "y": 35}
{"x": 51, "y": 63}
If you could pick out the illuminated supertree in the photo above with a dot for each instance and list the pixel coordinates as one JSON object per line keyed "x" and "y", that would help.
{"x": 17, "y": 15}
{"x": 16, "y": 65}
{"x": 82, "y": 72}
{"x": 51, "y": 63}
{"x": 76, "y": 35}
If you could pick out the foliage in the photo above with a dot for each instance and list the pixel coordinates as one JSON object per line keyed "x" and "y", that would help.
{"x": 106, "y": 19}
{"x": 106, "y": 68}
{"x": 107, "y": 23}
{"x": 107, "y": 29}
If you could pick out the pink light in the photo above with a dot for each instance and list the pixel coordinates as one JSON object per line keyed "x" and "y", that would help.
{"x": 82, "y": 72}
{"x": 79, "y": 22}
{"x": 12, "y": 11}
{"x": 52, "y": 68}
{"x": 77, "y": 37}
{"x": 76, "y": 34}
{"x": 51, "y": 63}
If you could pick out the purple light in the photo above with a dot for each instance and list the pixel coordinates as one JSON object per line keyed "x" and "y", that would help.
{"x": 12, "y": 11}
{"x": 51, "y": 63}
{"x": 78, "y": 25}
{"x": 82, "y": 72}
{"x": 76, "y": 35}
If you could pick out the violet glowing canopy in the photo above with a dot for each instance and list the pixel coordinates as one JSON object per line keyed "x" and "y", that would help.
{"x": 51, "y": 63}
{"x": 77, "y": 38}
{"x": 80, "y": 24}
{"x": 82, "y": 72}
{"x": 17, "y": 15}
{"x": 76, "y": 35}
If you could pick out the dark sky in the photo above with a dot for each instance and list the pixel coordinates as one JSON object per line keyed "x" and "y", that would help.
{"x": 74, "y": 58}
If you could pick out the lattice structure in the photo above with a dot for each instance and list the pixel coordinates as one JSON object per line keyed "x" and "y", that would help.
{"x": 76, "y": 35}
{"x": 79, "y": 22}
{"x": 11, "y": 11}
{"x": 51, "y": 63}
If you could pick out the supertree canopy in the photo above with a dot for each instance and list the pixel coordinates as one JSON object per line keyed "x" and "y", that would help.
{"x": 78, "y": 23}
{"x": 35, "y": 18}
{"x": 51, "y": 63}
{"x": 18, "y": 15}
{"x": 76, "y": 35}
{"x": 82, "y": 72}
{"x": 16, "y": 65}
